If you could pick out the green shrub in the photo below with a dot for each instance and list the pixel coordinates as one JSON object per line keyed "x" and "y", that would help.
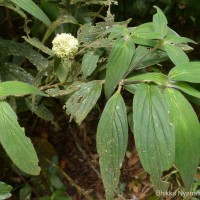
{"x": 106, "y": 59}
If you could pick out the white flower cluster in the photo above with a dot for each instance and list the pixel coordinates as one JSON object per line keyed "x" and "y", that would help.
{"x": 65, "y": 45}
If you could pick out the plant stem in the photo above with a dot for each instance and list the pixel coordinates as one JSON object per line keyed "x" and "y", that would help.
{"x": 72, "y": 182}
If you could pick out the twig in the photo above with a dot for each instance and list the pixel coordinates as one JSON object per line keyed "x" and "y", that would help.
{"x": 96, "y": 14}
{"x": 51, "y": 86}
{"x": 72, "y": 182}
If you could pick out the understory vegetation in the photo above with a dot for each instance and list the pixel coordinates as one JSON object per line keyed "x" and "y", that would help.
{"x": 99, "y": 99}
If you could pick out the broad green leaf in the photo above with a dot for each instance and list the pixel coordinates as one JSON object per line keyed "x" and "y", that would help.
{"x": 18, "y": 49}
{"x": 154, "y": 58}
{"x": 131, "y": 88}
{"x": 143, "y": 41}
{"x": 189, "y": 72}
{"x": 51, "y": 8}
{"x": 130, "y": 121}
{"x": 145, "y": 31}
{"x": 43, "y": 73}
{"x": 118, "y": 63}
{"x": 5, "y": 190}
{"x": 160, "y": 22}
{"x": 62, "y": 70}
{"x": 155, "y": 77}
{"x": 144, "y": 36}
{"x": 186, "y": 88}
{"x": 153, "y": 133}
{"x": 8, "y": 88}
{"x": 36, "y": 43}
{"x": 13, "y": 72}
{"x": 89, "y": 33}
{"x": 56, "y": 92}
{"x": 112, "y": 138}
{"x": 40, "y": 110}
{"x": 89, "y": 62}
{"x": 187, "y": 135}
{"x": 30, "y": 7}
{"x": 60, "y": 194}
{"x": 176, "y": 54}
{"x": 83, "y": 100}
{"x": 117, "y": 31}
{"x": 16, "y": 144}
{"x": 185, "y": 47}
{"x": 176, "y": 39}
{"x": 61, "y": 20}
{"x": 142, "y": 57}
{"x": 25, "y": 192}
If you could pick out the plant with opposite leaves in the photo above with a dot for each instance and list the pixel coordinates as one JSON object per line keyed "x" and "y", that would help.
{"x": 113, "y": 57}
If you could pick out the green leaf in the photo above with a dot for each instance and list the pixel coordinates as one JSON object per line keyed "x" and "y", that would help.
{"x": 30, "y": 7}
{"x": 62, "y": 70}
{"x": 176, "y": 54}
{"x": 16, "y": 144}
{"x": 25, "y": 192}
{"x": 118, "y": 63}
{"x": 40, "y": 110}
{"x": 187, "y": 135}
{"x": 153, "y": 133}
{"x": 5, "y": 190}
{"x": 176, "y": 39}
{"x": 61, "y": 20}
{"x": 158, "y": 78}
{"x": 18, "y": 49}
{"x": 11, "y": 71}
{"x": 143, "y": 41}
{"x": 89, "y": 62}
{"x": 145, "y": 35}
{"x": 186, "y": 88}
{"x": 8, "y": 88}
{"x": 43, "y": 73}
{"x": 189, "y": 72}
{"x": 51, "y": 8}
{"x": 112, "y": 138}
{"x": 56, "y": 92}
{"x": 36, "y": 43}
{"x": 131, "y": 88}
{"x": 160, "y": 22}
{"x": 145, "y": 31}
{"x": 117, "y": 31}
{"x": 83, "y": 100}
{"x": 89, "y": 33}
{"x": 142, "y": 57}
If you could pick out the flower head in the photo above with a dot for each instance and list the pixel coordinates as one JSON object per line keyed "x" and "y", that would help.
{"x": 65, "y": 45}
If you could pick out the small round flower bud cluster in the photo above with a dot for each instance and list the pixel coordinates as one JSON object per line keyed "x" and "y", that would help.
{"x": 65, "y": 45}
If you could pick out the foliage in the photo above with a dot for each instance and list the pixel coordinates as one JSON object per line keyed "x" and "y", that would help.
{"x": 5, "y": 190}
{"x": 123, "y": 60}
